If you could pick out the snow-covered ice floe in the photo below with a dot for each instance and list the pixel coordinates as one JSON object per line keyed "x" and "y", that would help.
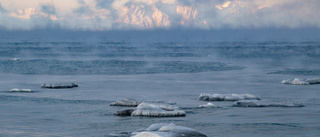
{"x": 20, "y": 90}
{"x": 166, "y": 130}
{"x": 158, "y": 110}
{"x": 126, "y": 102}
{"x": 209, "y": 105}
{"x": 64, "y": 85}
{"x": 153, "y": 109}
{"x": 298, "y": 81}
{"x": 267, "y": 103}
{"x": 226, "y": 97}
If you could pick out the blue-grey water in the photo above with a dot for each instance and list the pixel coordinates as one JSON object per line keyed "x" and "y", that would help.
{"x": 108, "y": 71}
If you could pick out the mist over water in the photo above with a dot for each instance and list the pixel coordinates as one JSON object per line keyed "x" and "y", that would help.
{"x": 117, "y": 66}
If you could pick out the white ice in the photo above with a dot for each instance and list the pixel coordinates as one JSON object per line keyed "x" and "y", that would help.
{"x": 15, "y": 59}
{"x": 126, "y": 102}
{"x": 226, "y": 97}
{"x": 209, "y": 105}
{"x": 158, "y": 110}
{"x": 20, "y": 90}
{"x": 297, "y": 81}
{"x": 313, "y": 81}
{"x": 267, "y": 103}
{"x": 166, "y": 130}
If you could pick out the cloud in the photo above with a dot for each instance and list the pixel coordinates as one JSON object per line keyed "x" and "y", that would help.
{"x": 48, "y": 9}
{"x": 2, "y": 10}
{"x": 158, "y": 14}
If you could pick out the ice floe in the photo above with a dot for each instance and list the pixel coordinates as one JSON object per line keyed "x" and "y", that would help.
{"x": 148, "y": 108}
{"x": 15, "y": 59}
{"x": 313, "y": 81}
{"x": 209, "y": 105}
{"x": 153, "y": 109}
{"x": 63, "y": 85}
{"x": 20, "y": 90}
{"x": 166, "y": 130}
{"x": 126, "y": 102}
{"x": 267, "y": 103}
{"x": 226, "y": 97}
{"x": 158, "y": 110}
{"x": 297, "y": 81}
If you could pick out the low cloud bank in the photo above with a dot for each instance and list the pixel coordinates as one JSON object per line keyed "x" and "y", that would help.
{"x": 98, "y": 15}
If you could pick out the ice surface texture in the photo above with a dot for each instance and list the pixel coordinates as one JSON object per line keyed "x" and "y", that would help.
{"x": 126, "y": 102}
{"x": 152, "y": 109}
{"x": 65, "y": 85}
{"x": 158, "y": 110}
{"x": 226, "y": 97}
{"x": 15, "y": 59}
{"x": 20, "y": 90}
{"x": 298, "y": 81}
{"x": 209, "y": 105}
{"x": 267, "y": 103}
{"x": 166, "y": 130}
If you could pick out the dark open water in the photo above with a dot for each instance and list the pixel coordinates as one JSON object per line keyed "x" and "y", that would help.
{"x": 167, "y": 71}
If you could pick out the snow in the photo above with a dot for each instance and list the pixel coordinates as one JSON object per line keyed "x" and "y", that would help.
{"x": 126, "y": 102}
{"x": 158, "y": 110}
{"x": 226, "y": 97}
{"x": 209, "y": 105}
{"x": 297, "y": 81}
{"x": 20, "y": 90}
{"x": 15, "y": 59}
{"x": 267, "y": 103}
{"x": 166, "y": 130}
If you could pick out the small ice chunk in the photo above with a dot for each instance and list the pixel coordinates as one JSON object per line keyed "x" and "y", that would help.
{"x": 158, "y": 110}
{"x": 166, "y": 130}
{"x": 313, "y": 81}
{"x": 226, "y": 97}
{"x": 209, "y": 105}
{"x": 63, "y": 85}
{"x": 285, "y": 81}
{"x": 126, "y": 102}
{"x": 267, "y": 103}
{"x": 20, "y": 90}
{"x": 121, "y": 134}
{"x": 297, "y": 81}
{"x": 15, "y": 59}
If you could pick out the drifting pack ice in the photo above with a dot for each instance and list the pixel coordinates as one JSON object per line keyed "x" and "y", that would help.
{"x": 267, "y": 103}
{"x": 153, "y": 109}
{"x": 298, "y": 81}
{"x": 166, "y": 130}
{"x": 226, "y": 97}
{"x": 20, "y": 90}
{"x": 65, "y": 85}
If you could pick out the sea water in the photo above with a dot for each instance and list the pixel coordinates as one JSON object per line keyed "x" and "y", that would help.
{"x": 107, "y": 71}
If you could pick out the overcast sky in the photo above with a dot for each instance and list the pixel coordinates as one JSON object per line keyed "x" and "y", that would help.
{"x": 101, "y": 15}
